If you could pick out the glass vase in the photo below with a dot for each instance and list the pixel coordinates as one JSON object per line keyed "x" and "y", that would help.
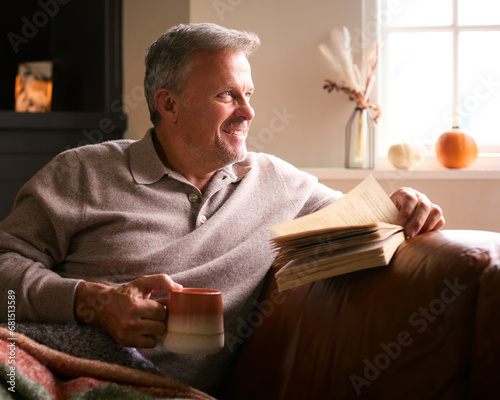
{"x": 360, "y": 140}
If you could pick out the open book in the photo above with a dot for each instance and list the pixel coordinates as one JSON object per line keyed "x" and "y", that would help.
{"x": 356, "y": 232}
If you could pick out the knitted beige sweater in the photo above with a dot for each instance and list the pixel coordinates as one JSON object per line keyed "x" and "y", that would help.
{"x": 113, "y": 212}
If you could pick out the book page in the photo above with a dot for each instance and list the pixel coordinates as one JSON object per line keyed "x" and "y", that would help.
{"x": 365, "y": 204}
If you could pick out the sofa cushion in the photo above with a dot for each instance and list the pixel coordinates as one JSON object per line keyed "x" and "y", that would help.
{"x": 425, "y": 327}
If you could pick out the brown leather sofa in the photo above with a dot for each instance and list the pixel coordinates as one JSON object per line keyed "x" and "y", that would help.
{"x": 425, "y": 327}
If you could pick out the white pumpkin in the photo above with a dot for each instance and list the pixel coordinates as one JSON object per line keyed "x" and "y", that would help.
{"x": 404, "y": 156}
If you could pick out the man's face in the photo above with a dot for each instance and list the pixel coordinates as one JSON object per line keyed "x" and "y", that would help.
{"x": 214, "y": 117}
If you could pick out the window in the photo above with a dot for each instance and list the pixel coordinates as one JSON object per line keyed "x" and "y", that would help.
{"x": 440, "y": 67}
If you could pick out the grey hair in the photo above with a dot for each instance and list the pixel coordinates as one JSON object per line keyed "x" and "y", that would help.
{"x": 168, "y": 58}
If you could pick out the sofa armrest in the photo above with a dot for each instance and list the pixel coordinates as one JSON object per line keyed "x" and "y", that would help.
{"x": 425, "y": 327}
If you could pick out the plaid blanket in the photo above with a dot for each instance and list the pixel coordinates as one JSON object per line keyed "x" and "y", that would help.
{"x": 31, "y": 370}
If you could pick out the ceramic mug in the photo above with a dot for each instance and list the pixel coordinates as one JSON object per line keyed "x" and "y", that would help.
{"x": 195, "y": 323}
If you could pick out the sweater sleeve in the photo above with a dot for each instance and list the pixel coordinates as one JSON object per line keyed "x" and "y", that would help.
{"x": 36, "y": 236}
{"x": 303, "y": 190}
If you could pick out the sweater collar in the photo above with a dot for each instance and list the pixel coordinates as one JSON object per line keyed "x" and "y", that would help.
{"x": 147, "y": 168}
{"x": 145, "y": 164}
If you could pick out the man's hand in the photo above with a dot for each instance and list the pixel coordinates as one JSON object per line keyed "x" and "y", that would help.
{"x": 125, "y": 311}
{"x": 416, "y": 212}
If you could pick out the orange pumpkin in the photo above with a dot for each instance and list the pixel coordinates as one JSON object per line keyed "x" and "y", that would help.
{"x": 456, "y": 149}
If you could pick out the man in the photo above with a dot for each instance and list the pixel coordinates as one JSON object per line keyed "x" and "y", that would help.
{"x": 104, "y": 230}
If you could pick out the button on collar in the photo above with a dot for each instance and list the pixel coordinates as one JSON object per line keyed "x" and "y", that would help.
{"x": 193, "y": 197}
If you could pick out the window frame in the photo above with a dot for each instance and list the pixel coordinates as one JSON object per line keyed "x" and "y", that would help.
{"x": 374, "y": 28}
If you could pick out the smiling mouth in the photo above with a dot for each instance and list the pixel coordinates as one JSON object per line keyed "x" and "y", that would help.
{"x": 233, "y": 132}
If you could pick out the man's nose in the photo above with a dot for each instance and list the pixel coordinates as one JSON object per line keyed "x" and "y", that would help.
{"x": 245, "y": 110}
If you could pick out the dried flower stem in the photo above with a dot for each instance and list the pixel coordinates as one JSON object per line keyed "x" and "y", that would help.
{"x": 354, "y": 95}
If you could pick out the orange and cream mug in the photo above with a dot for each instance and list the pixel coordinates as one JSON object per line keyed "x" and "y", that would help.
{"x": 195, "y": 322}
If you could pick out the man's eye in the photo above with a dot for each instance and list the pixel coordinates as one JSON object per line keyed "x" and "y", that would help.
{"x": 226, "y": 93}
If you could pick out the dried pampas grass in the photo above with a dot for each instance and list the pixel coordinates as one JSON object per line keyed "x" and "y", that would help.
{"x": 356, "y": 82}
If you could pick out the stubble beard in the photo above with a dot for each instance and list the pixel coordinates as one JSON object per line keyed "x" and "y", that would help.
{"x": 222, "y": 155}
{"x": 226, "y": 155}
{"x": 229, "y": 154}
{"x": 232, "y": 155}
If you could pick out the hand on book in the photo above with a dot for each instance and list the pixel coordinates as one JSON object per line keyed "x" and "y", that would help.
{"x": 361, "y": 230}
{"x": 416, "y": 212}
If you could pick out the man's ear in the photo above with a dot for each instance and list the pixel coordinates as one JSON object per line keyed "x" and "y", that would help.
{"x": 166, "y": 104}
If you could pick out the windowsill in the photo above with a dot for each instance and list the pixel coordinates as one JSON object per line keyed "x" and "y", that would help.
{"x": 381, "y": 174}
{"x": 484, "y": 168}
